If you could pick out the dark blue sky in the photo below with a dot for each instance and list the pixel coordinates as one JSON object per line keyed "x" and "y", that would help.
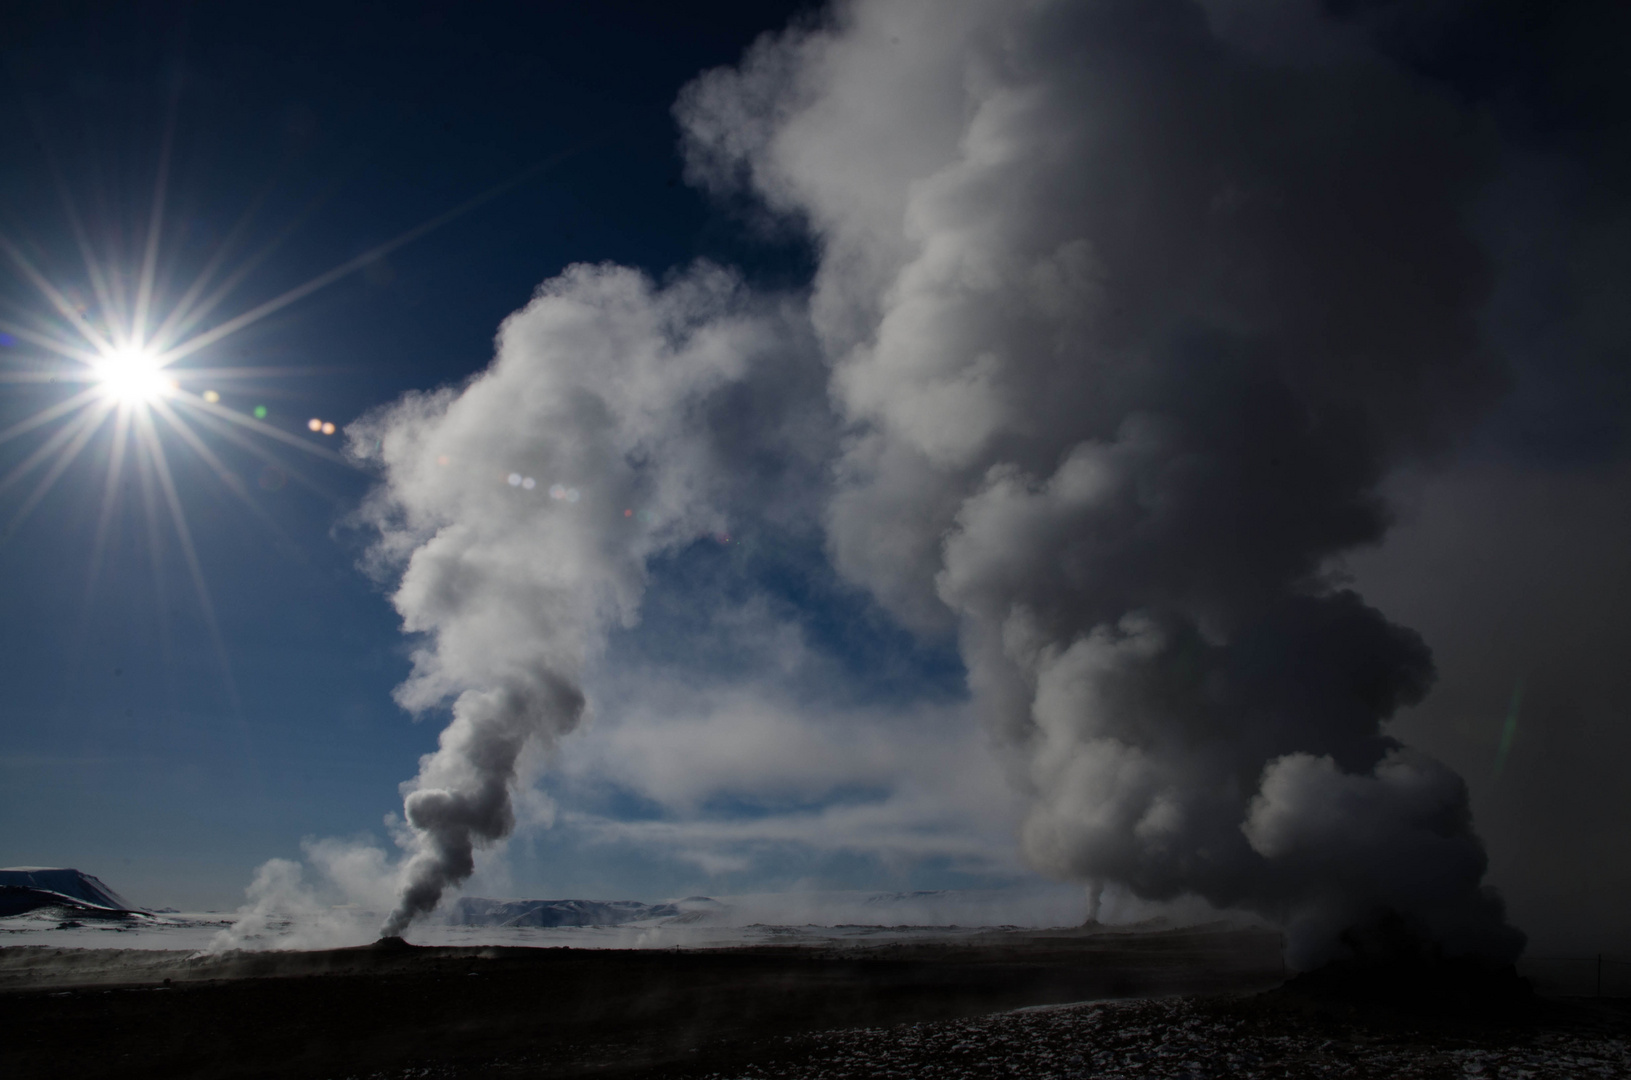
{"x": 339, "y": 126}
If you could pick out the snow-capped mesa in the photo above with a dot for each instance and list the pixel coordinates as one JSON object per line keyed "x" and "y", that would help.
{"x": 29, "y": 888}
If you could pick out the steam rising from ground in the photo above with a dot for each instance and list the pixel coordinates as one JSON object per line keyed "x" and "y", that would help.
{"x": 339, "y": 907}
{"x": 1126, "y": 327}
{"x": 1129, "y": 327}
{"x": 520, "y": 510}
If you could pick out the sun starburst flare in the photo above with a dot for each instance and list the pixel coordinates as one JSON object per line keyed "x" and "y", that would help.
{"x": 130, "y": 377}
{"x": 132, "y": 354}
{"x": 133, "y": 376}
{"x": 128, "y": 351}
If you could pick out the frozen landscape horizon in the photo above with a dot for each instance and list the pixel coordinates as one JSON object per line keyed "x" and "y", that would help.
{"x": 94, "y": 916}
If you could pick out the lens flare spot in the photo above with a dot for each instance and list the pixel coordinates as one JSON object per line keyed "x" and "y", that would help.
{"x": 314, "y": 424}
{"x": 212, "y": 397}
{"x": 328, "y": 427}
{"x": 529, "y": 483}
{"x": 260, "y": 412}
{"x": 515, "y": 479}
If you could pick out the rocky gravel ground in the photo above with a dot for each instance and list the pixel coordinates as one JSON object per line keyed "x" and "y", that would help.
{"x": 1189, "y": 1038}
{"x": 1196, "y": 1003}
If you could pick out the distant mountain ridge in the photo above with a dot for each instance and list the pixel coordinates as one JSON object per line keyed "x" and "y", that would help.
{"x": 27, "y": 888}
{"x": 923, "y": 907}
{"x": 480, "y": 911}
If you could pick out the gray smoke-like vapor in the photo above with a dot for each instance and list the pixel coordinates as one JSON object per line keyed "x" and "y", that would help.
{"x": 1131, "y": 307}
{"x": 1129, "y": 324}
{"x": 519, "y": 512}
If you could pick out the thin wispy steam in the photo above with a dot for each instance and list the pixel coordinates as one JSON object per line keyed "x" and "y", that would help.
{"x": 1129, "y": 325}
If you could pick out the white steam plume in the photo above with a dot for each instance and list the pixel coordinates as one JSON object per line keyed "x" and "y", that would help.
{"x": 520, "y": 510}
{"x": 1129, "y": 326}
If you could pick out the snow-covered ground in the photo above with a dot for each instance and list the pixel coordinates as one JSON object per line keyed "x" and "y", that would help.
{"x": 211, "y": 931}
{"x": 701, "y": 922}
{"x": 63, "y": 930}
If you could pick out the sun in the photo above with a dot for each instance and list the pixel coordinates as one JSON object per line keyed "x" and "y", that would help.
{"x": 133, "y": 376}
{"x": 131, "y": 350}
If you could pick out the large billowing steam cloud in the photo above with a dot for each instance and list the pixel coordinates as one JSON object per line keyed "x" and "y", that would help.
{"x": 520, "y": 511}
{"x": 1126, "y": 325}
{"x": 1129, "y": 326}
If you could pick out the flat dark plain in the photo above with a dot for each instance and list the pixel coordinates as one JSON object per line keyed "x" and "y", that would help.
{"x": 940, "y": 1007}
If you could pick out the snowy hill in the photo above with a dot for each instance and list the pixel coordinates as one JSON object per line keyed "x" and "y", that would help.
{"x": 25, "y": 888}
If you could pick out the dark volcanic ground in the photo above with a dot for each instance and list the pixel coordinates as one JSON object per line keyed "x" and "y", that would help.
{"x": 940, "y": 1009}
{"x": 1191, "y": 1038}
